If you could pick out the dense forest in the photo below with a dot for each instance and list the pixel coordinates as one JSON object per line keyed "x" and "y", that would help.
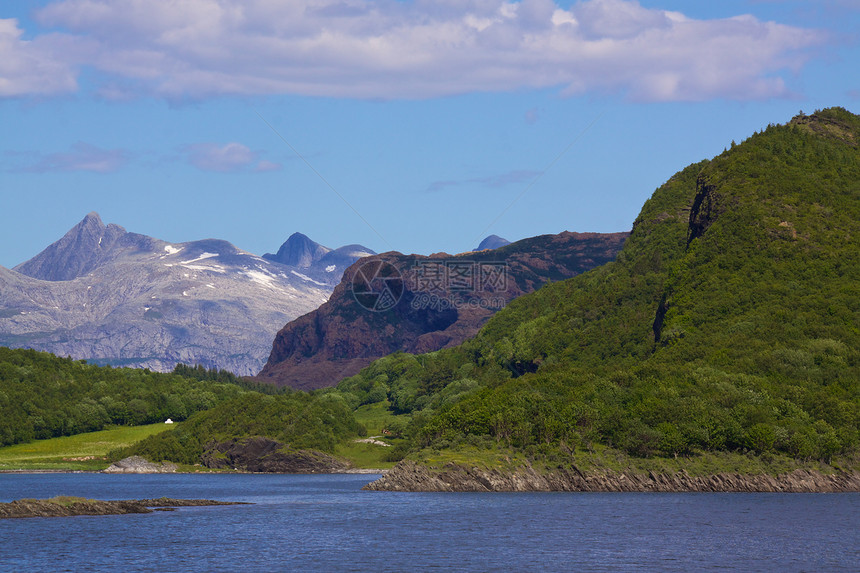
{"x": 44, "y": 396}
{"x": 297, "y": 419}
{"x": 730, "y": 321}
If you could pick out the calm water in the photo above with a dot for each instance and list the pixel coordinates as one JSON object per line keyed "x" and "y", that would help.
{"x": 326, "y": 523}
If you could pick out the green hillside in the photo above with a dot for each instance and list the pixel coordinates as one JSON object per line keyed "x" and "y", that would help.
{"x": 729, "y": 323}
{"x": 44, "y": 396}
{"x": 296, "y": 419}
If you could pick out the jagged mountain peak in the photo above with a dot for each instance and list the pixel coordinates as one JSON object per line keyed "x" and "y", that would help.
{"x": 298, "y": 250}
{"x": 80, "y": 250}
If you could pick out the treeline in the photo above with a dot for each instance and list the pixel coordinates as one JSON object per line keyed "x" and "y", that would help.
{"x": 297, "y": 419}
{"x": 44, "y": 396}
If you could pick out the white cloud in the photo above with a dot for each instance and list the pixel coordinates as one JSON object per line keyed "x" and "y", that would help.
{"x": 30, "y": 67}
{"x": 420, "y": 49}
{"x": 80, "y": 157}
{"x": 223, "y": 158}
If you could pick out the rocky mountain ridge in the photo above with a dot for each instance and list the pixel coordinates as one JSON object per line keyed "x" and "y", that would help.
{"x": 109, "y": 296}
{"x": 317, "y": 261}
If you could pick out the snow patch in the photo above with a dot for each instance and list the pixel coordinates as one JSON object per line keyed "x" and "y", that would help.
{"x": 258, "y": 277}
{"x": 360, "y": 254}
{"x": 184, "y": 293}
{"x": 211, "y": 286}
{"x": 213, "y": 268}
{"x": 330, "y": 268}
{"x": 171, "y": 250}
{"x": 307, "y": 278}
{"x": 200, "y": 258}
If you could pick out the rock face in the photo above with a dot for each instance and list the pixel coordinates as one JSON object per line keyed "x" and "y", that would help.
{"x": 113, "y": 297}
{"x": 408, "y": 476}
{"x": 259, "y": 454}
{"x": 71, "y": 506}
{"x": 298, "y": 251}
{"x": 438, "y": 304}
{"x": 83, "y": 248}
{"x": 139, "y": 465}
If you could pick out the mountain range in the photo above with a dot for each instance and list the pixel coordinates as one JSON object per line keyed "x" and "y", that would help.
{"x": 430, "y": 312}
{"x": 110, "y": 296}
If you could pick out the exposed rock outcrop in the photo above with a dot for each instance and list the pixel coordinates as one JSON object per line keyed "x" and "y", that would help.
{"x": 341, "y": 337}
{"x": 409, "y": 476}
{"x": 71, "y": 506}
{"x": 259, "y": 454}
{"x": 139, "y": 465}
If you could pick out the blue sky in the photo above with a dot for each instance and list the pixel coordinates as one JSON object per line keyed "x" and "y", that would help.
{"x": 438, "y": 121}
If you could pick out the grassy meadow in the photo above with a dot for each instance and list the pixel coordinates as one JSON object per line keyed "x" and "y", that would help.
{"x": 79, "y": 452}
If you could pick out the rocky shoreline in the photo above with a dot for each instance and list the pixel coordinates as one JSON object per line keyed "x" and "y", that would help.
{"x": 73, "y": 506}
{"x": 409, "y": 476}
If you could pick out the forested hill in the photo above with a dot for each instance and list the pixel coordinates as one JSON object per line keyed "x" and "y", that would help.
{"x": 43, "y": 396}
{"x": 730, "y": 322}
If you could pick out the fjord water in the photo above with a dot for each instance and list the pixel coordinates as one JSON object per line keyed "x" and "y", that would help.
{"x": 326, "y": 523}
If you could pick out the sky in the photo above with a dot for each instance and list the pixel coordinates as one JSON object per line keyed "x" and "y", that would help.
{"x": 418, "y": 126}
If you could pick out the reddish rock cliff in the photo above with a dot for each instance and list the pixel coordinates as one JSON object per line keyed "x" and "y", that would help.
{"x": 422, "y": 303}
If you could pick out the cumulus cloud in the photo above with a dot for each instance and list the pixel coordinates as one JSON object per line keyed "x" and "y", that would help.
{"x": 80, "y": 157}
{"x": 32, "y": 67}
{"x": 420, "y": 49}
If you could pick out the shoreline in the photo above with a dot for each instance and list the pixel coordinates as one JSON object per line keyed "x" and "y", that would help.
{"x": 411, "y": 477}
{"x": 356, "y": 471}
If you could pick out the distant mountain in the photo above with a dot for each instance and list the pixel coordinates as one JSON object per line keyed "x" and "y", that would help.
{"x": 342, "y": 336}
{"x": 298, "y": 251}
{"x": 320, "y": 263}
{"x": 84, "y": 247}
{"x": 492, "y": 242}
{"x": 109, "y": 296}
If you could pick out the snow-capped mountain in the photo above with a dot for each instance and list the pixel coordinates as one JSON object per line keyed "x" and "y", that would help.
{"x": 110, "y": 296}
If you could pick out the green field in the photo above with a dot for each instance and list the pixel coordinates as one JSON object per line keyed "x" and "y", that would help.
{"x": 79, "y": 452}
{"x": 374, "y": 417}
